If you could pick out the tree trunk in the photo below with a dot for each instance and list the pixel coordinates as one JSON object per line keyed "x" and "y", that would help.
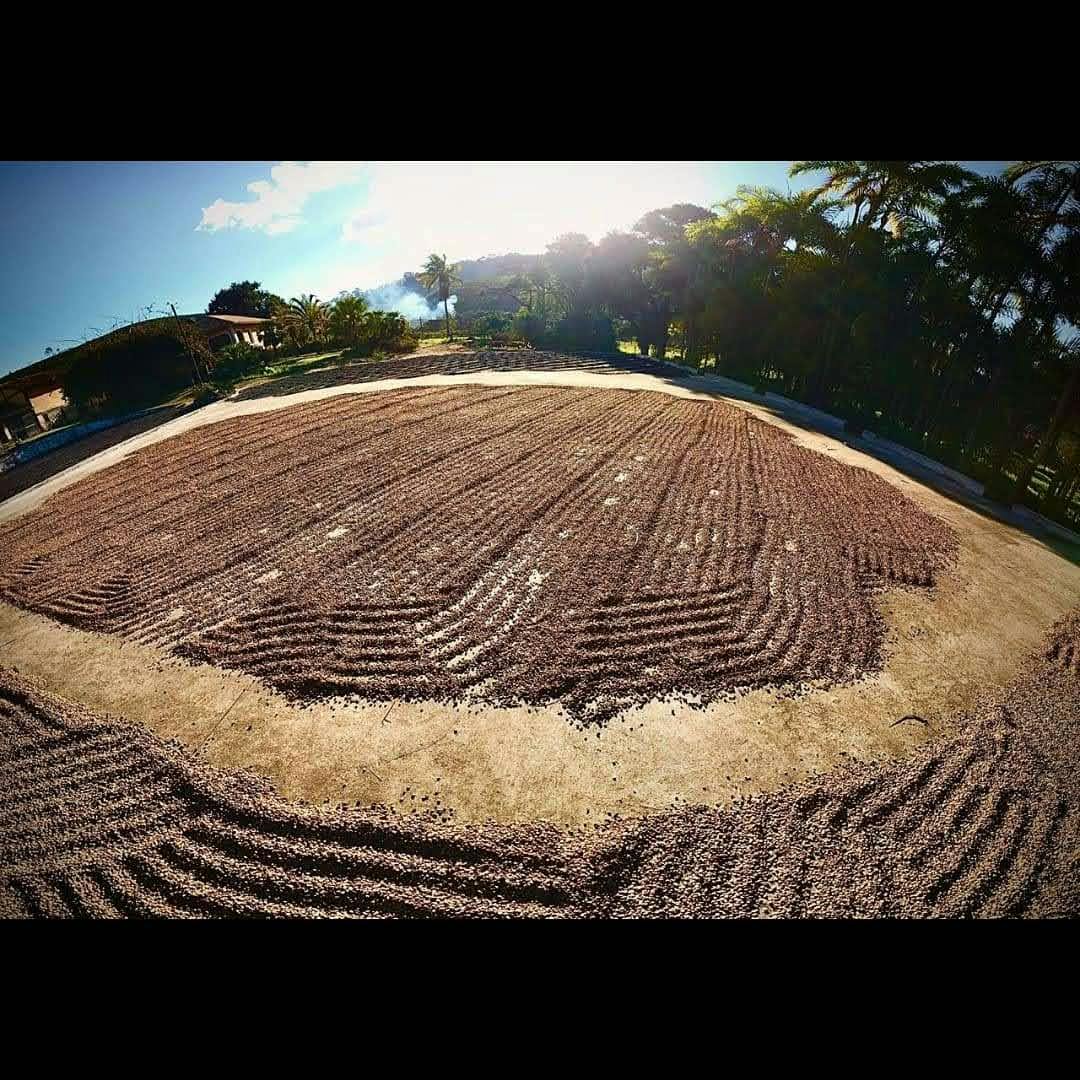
{"x": 1050, "y": 438}
{"x": 1070, "y": 493}
{"x": 930, "y": 416}
{"x": 818, "y": 393}
{"x": 446, "y": 309}
{"x": 1015, "y": 283}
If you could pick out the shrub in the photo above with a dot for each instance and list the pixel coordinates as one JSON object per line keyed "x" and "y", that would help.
{"x": 207, "y": 393}
{"x": 589, "y": 333}
{"x": 382, "y": 332}
{"x": 528, "y": 328}
{"x": 999, "y": 488}
{"x": 580, "y": 332}
{"x": 491, "y": 323}
{"x": 128, "y": 369}
{"x": 238, "y": 361}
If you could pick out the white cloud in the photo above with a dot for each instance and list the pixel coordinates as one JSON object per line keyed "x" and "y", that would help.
{"x": 282, "y": 225}
{"x": 364, "y": 225}
{"x": 471, "y": 210}
{"x": 278, "y": 202}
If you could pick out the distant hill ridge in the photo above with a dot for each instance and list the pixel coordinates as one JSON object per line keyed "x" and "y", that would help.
{"x": 483, "y": 288}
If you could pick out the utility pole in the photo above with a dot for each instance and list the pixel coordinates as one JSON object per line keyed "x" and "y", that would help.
{"x": 183, "y": 338}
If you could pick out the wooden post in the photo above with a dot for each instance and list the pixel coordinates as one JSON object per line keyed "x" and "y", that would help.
{"x": 183, "y": 340}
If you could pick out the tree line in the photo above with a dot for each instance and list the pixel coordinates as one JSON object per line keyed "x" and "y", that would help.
{"x": 918, "y": 299}
{"x": 305, "y": 322}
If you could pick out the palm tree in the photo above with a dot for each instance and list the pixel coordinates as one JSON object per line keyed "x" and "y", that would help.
{"x": 887, "y": 189}
{"x": 439, "y": 274}
{"x": 303, "y": 319}
{"x": 540, "y": 283}
{"x": 1018, "y": 227}
{"x": 891, "y": 193}
{"x": 1050, "y": 437}
{"x": 347, "y": 320}
{"x": 312, "y": 315}
{"x": 1054, "y": 190}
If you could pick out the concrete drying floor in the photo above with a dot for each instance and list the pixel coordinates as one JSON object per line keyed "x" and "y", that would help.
{"x": 945, "y": 649}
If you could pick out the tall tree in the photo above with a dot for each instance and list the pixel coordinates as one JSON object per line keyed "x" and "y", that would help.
{"x": 877, "y": 190}
{"x": 667, "y": 226}
{"x": 243, "y": 298}
{"x": 617, "y": 283}
{"x": 567, "y": 258}
{"x": 303, "y": 320}
{"x": 348, "y": 316}
{"x": 880, "y": 196}
{"x": 675, "y": 271}
{"x": 1054, "y": 295}
{"x": 441, "y": 275}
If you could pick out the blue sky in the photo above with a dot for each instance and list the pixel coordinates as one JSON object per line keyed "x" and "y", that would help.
{"x": 89, "y": 244}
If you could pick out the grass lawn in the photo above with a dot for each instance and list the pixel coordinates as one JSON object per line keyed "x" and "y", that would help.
{"x": 292, "y": 364}
{"x": 673, "y": 354}
{"x": 426, "y": 344}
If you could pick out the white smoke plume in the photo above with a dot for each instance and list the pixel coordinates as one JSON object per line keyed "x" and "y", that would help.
{"x": 412, "y": 305}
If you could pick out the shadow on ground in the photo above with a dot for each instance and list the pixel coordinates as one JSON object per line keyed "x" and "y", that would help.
{"x": 34, "y": 472}
{"x": 453, "y": 363}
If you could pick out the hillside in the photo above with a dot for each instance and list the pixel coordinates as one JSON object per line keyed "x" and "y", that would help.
{"x": 484, "y": 288}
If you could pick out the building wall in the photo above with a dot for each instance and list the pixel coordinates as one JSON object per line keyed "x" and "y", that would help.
{"x": 236, "y": 337}
{"x": 17, "y": 419}
{"x": 46, "y": 403}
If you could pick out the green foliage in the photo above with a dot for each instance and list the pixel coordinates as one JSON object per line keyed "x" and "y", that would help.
{"x": 243, "y": 298}
{"x": 567, "y": 261}
{"x": 302, "y": 323}
{"x": 529, "y": 328}
{"x": 439, "y": 275}
{"x": 491, "y": 323}
{"x": 936, "y": 307}
{"x": 347, "y": 321}
{"x": 381, "y": 333}
{"x": 580, "y": 332}
{"x": 237, "y": 362}
{"x": 134, "y": 367}
{"x": 488, "y": 328}
{"x": 388, "y": 331}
